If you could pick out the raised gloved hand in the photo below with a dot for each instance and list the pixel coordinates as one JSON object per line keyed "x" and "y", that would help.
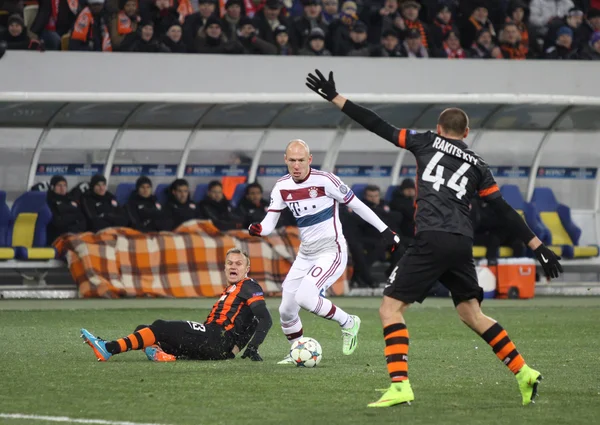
{"x": 255, "y": 229}
{"x": 252, "y": 353}
{"x": 391, "y": 238}
{"x": 321, "y": 86}
{"x": 549, "y": 261}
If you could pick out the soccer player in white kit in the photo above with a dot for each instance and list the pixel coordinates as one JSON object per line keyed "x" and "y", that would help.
{"x": 313, "y": 197}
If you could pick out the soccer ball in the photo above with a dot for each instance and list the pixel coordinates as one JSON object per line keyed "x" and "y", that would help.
{"x": 306, "y": 352}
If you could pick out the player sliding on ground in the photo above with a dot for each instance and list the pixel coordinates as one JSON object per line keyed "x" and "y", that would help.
{"x": 448, "y": 176}
{"x": 239, "y": 317}
{"x": 313, "y": 197}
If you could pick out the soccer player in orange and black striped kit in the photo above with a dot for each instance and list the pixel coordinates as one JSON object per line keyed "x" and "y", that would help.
{"x": 238, "y": 318}
{"x": 448, "y": 175}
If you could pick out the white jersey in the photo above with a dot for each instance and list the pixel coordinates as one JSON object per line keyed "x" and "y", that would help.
{"x": 315, "y": 205}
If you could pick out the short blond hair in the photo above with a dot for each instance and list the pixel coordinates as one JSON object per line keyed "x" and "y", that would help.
{"x": 239, "y": 251}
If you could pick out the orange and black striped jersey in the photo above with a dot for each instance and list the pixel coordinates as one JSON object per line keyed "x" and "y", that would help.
{"x": 234, "y": 304}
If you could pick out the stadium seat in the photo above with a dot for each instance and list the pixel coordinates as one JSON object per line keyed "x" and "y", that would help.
{"x": 200, "y": 192}
{"x": 123, "y": 192}
{"x": 238, "y": 194}
{"x": 557, "y": 218}
{"x": 6, "y": 252}
{"x": 389, "y": 193}
{"x": 359, "y": 189}
{"x": 30, "y": 215}
{"x": 162, "y": 193}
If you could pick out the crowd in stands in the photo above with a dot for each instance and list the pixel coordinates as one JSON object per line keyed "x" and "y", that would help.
{"x": 453, "y": 29}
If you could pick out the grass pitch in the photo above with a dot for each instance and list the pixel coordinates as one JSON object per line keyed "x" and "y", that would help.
{"x": 46, "y": 370}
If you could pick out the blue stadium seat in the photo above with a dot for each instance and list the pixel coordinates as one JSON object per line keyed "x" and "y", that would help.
{"x": 123, "y": 192}
{"x": 513, "y": 197}
{"x": 359, "y": 189}
{"x": 389, "y": 193}
{"x": 557, "y": 218}
{"x": 162, "y": 193}
{"x": 6, "y": 252}
{"x": 30, "y": 215}
{"x": 238, "y": 194}
{"x": 200, "y": 192}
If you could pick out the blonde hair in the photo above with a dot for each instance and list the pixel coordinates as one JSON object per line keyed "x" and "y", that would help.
{"x": 239, "y": 251}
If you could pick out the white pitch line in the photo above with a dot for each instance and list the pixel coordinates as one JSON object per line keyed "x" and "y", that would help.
{"x": 67, "y": 419}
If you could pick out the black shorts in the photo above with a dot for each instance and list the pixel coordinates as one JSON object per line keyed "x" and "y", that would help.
{"x": 435, "y": 256}
{"x": 193, "y": 340}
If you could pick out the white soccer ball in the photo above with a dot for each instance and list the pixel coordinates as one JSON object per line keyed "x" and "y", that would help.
{"x": 306, "y": 352}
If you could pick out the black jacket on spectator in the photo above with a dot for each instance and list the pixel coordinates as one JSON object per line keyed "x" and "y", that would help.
{"x": 192, "y": 24}
{"x": 560, "y": 52}
{"x": 21, "y": 42}
{"x": 162, "y": 19}
{"x": 579, "y": 34}
{"x": 135, "y": 43}
{"x": 588, "y": 53}
{"x": 173, "y": 47}
{"x": 300, "y": 30}
{"x": 251, "y": 213}
{"x": 64, "y": 20}
{"x": 102, "y": 211}
{"x": 264, "y": 29}
{"x": 406, "y": 207}
{"x": 67, "y": 217}
{"x": 229, "y": 28}
{"x": 256, "y": 46}
{"x": 146, "y": 215}
{"x": 220, "y": 213}
{"x": 206, "y": 44}
{"x": 438, "y": 31}
{"x": 180, "y": 213}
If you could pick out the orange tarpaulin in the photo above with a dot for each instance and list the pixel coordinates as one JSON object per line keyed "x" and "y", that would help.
{"x": 121, "y": 262}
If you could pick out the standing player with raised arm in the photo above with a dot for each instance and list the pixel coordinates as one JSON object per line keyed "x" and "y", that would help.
{"x": 313, "y": 197}
{"x": 448, "y": 175}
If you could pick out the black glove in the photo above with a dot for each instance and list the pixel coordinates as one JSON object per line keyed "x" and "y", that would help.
{"x": 255, "y": 229}
{"x": 549, "y": 261}
{"x": 391, "y": 239}
{"x": 321, "y": 86}
{"x": 252, "y": 352}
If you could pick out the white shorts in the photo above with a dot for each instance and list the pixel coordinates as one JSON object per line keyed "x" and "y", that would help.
{"x": 321, "y": 270}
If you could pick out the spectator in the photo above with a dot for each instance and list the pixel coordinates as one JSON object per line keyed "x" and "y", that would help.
{"x": 161, "y": 13}
{"x": 573, "y": 20}
{"x": 592, "y": 50}
{"x": 124, "y": 22}
{"x": 179, "y": 207}
{"x": 216, "y": 207}
{"x": 403, "y": 202}
{"x": 282, "y": 41}
{"x": 144, "y": 210}
{"x": 338, "y": 36}
{"x": 268, "y": 19}
{"x": 100, "y": 206}
{"x": 67, "y": 217}
{"x": 390, "y": 45}
{"x": 590, "y": 26}
{"x": 90, "y": 32}
{"x": 484, "y": 48}
{"x": 53, "y": 20}
{"x": 563, "y": 47}
{"x": 143, "y": 41}
{"x": 77, "y": 192}
{"x": 518, "y": 13}
{"x": 229, "y": 23}
{"x": 9, "y": 8}
{"x": 197, "y": 21}
{"x": 451, "y": 48}
{"x": 544, "y": 11}
{"x": 330, "y": 11}
{"x": 478, "y": 20}
{"x": 253, "y": 208}
{"x": 413, "y": 46}
{"x": 212, "y": 40}
{"x": 173, "y": 39}
{"x": 383, "y": 19}
{"x": 316, "y": 44}
{"x": 410, "y": 14}
{"x": 16, "y": 37}
{"x": 490, "y": 231}
{"x": 359, "y": 45}
{"x": 249, "y": 40}
{"x": 510, "y": 42}
{"x": 442, "y": 25}
{"x": 302, "y": 25}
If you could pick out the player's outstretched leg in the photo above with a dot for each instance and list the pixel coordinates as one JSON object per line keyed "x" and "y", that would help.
{"x": 395, "y": 334}
{"x": 291, "y": 325}
{"x": 495, "y": 335}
